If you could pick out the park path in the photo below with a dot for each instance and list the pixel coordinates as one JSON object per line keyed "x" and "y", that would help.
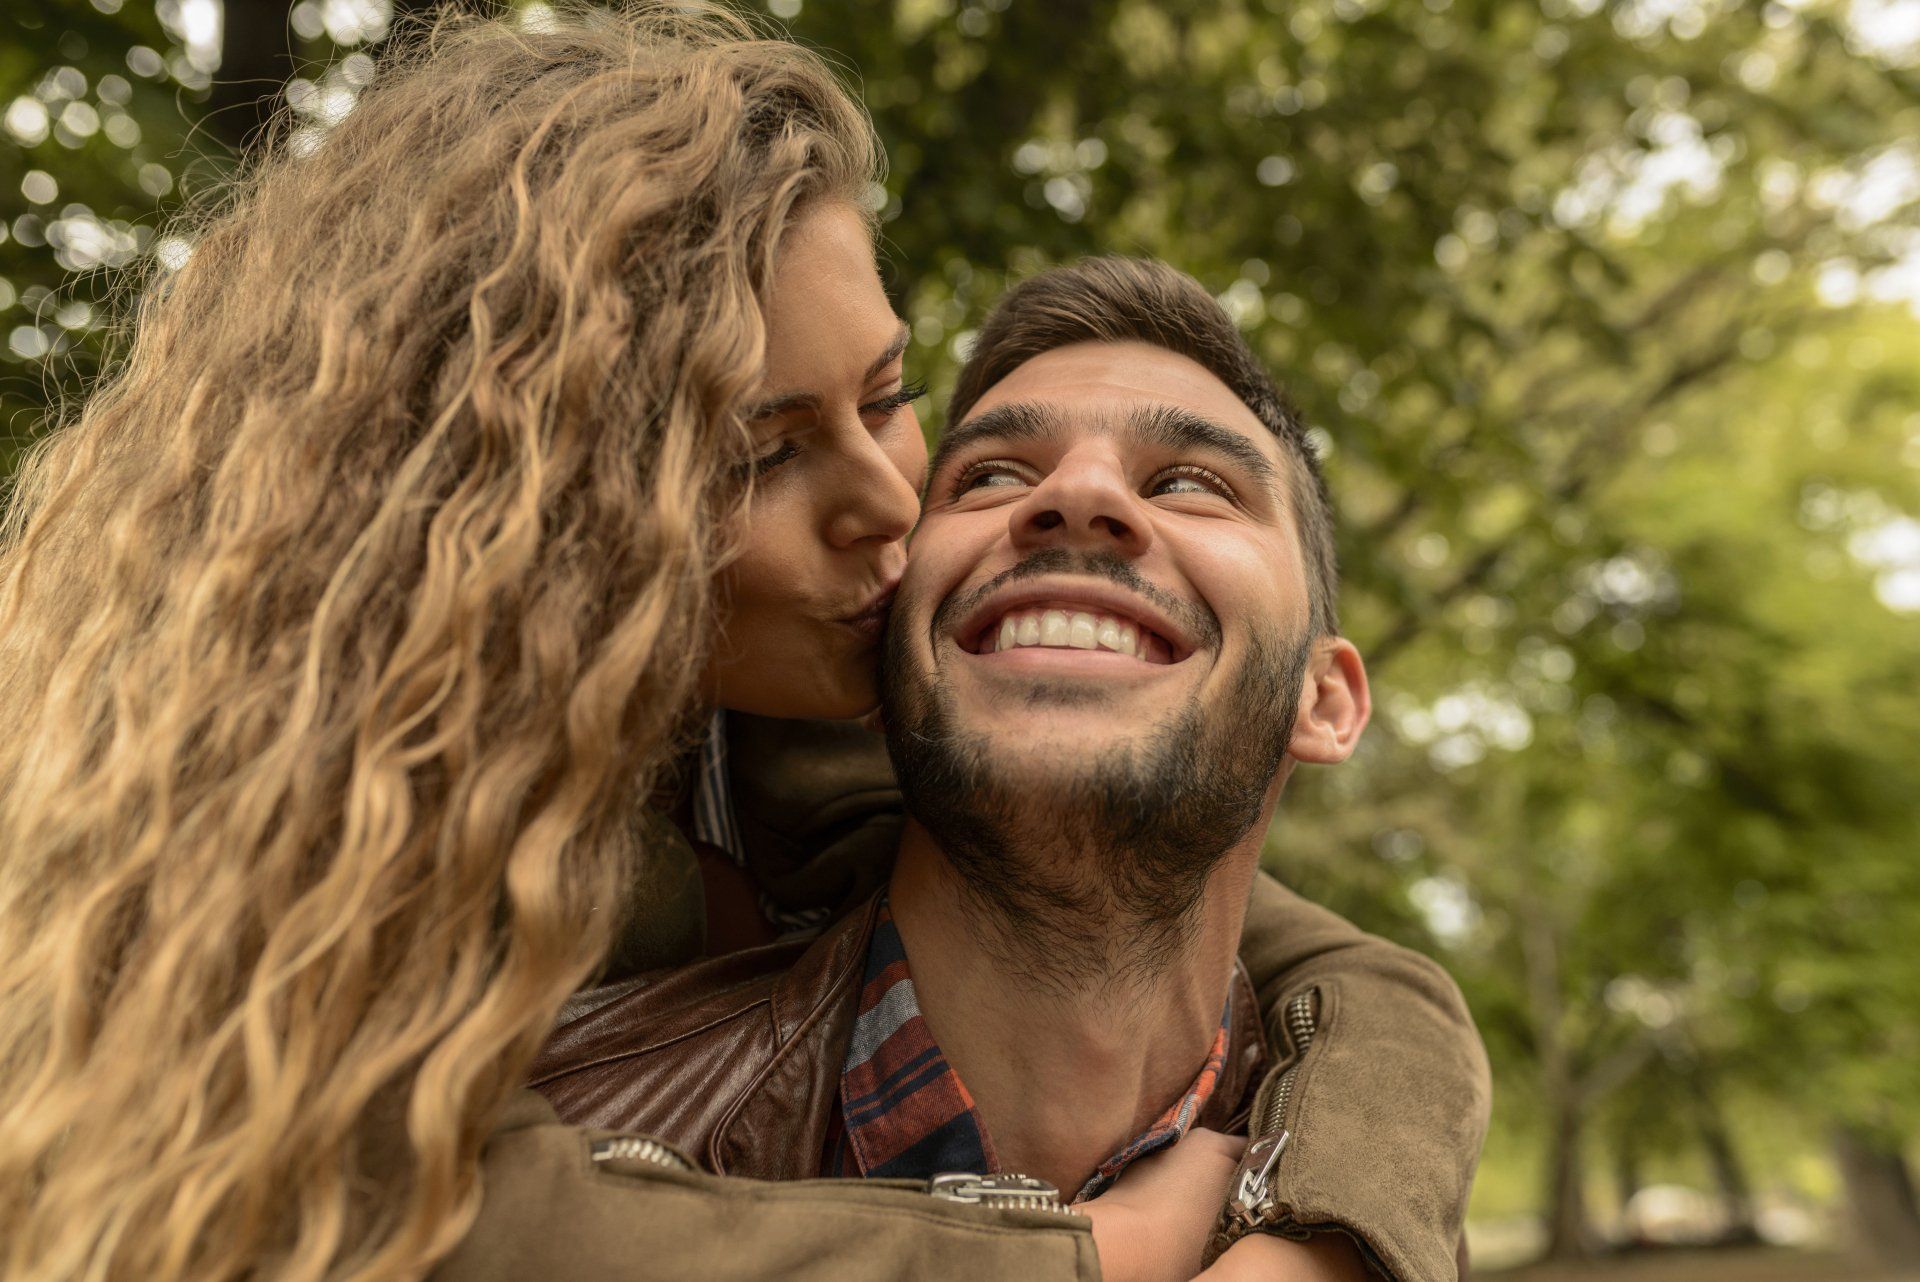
{"x": 1758, "y": 1265}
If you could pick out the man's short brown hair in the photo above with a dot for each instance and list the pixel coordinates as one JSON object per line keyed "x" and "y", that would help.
{"x": 1113, "y": 300}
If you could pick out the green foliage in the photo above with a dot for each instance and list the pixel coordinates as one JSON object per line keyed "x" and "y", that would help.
{"x": 1544, "y": 279}
{"x": 94, "y": 139}
{"x": 1579, "y": 298}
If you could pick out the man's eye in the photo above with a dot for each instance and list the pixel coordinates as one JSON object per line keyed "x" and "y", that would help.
{"x": 986, "y": 476}
{"x": 1190, "y": 480}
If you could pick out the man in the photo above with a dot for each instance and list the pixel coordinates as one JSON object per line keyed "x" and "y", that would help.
{"x": 1115, "y": 638}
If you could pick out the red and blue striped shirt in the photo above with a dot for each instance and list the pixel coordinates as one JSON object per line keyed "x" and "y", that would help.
{"x": 903, "y": 1113}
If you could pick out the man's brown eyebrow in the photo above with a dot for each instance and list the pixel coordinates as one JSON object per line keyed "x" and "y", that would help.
{"x": 787, "y": 402}
{"x": 1178, "y": 428}
{"x": 1013, "y": 422}
{"x": 1165, "y": 425}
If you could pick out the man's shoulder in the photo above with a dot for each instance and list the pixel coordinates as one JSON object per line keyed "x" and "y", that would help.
{"x": 678, "y": 1055}
{"x": 650, "y": 1013}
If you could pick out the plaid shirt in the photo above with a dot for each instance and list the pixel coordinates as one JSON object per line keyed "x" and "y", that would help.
{"x": 903, "y": 1113}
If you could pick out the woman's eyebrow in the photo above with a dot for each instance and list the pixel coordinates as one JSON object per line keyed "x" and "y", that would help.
{"x": 786, "y": 402}
{"x": 894, "y": 350}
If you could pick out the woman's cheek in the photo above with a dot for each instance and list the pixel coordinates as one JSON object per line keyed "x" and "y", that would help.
{"x": 908, "y": 452}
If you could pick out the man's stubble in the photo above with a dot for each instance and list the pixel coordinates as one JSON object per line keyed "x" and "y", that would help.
{"x": 1086, "y": 875}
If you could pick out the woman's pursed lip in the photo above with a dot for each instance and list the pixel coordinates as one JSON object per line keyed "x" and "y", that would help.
{"x": 874, "y": 614}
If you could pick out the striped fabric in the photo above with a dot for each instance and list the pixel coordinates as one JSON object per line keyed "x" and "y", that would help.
{"x": 713, "y": 819}
{"x": 716, "y": 823}
{"x": 903, "y": 1113}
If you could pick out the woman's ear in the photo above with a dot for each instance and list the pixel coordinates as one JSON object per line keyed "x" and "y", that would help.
{"x": 1334, "y": 704}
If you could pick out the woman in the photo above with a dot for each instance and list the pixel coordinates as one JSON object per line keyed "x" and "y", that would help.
{"x": 347, "y": 632}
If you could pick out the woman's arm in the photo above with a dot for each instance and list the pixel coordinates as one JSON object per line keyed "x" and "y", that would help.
{"x": 1387, "y": 1103}
{"x": 560, "y": 1206}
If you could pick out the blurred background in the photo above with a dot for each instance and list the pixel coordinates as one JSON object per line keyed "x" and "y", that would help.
{"x": 1607, "y": 317}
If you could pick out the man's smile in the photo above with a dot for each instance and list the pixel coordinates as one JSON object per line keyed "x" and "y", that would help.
{"x": 1063, "y": 626}
{"x": 1060, "y": 624}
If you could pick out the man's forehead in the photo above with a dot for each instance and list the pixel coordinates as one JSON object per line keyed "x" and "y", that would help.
{"x": 1095, "y": 384}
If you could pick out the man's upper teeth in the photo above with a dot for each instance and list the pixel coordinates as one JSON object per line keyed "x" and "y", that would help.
{"x": 1075, "y": 629}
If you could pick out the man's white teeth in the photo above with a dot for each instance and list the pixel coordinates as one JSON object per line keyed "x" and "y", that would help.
{"x": 1077, "y": 630}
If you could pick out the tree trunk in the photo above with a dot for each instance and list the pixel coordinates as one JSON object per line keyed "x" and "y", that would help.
{"x": 1569, "y": 1236}
{"x": 256, "y": 61}
{"x": 1627, "y": 1179}
{"x": 1880, "y": 1196}
{"x": 1736, "y": 1194}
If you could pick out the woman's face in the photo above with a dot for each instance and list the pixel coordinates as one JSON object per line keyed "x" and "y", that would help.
{"x": 840, "y": 460}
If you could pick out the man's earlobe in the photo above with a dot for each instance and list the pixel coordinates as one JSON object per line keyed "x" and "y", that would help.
{"x": 1334, "y": 704}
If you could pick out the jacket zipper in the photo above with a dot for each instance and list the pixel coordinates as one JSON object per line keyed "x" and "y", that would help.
{"x": 1006, "y": 1192}
{"x": 637, "y": 1148}
{"x": 1009, "y": 1191}
{"x": 1252, "y": 1197}
{"x": 1303, "y": 1021}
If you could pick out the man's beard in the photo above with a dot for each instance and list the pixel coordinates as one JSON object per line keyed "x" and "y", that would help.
{"x": 1091, "y": 875}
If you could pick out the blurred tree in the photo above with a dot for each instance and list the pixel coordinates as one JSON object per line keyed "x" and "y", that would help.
{"x": 1591, "y": 303}
{"x": 93, "y": 137}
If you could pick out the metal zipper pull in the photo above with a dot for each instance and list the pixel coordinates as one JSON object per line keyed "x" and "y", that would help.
{"x": 1253, "y": 1190}
{"x": 1010, "y": 1191}
{"x": 637, "y": 1148}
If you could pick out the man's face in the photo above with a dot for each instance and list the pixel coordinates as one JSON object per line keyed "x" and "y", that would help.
{"x": 1104, "y": 616}
{"x": 1155, "y": 506}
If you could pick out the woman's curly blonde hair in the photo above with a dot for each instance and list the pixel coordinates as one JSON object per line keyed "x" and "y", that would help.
{"x": 345, "y": 630}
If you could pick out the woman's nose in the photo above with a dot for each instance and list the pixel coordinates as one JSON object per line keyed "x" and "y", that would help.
{"x": 877, "y": 501}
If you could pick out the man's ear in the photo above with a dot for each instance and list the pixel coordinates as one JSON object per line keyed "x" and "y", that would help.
{"x": 1334, "y": 704}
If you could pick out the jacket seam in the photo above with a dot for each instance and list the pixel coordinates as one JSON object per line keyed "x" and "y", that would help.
{"x": 785, "y": 1050}
{"x": 636, "y": 1052}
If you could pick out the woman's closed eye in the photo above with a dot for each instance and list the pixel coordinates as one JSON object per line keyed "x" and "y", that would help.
{"x": 773, "y": 458}
{"x": 894, "y": 402}
{"x": 885, "y": 408}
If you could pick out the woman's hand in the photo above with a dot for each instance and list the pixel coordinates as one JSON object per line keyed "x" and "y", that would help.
{"x": 1152, "y": 1225}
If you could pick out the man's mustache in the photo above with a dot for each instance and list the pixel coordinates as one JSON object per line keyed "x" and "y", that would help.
{"x": 1198, "y": 621}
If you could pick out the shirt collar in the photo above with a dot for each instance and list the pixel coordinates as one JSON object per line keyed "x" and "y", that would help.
{"x": 905, "y": 1113}
{"x": 714, "y": 821}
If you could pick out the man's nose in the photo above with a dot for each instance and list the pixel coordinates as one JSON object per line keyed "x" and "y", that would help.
{"x": 877, "y": 502}
{"x": 1085, "y": 502}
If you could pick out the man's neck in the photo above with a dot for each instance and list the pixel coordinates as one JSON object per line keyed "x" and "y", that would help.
{"x": 1066, "y": 1074}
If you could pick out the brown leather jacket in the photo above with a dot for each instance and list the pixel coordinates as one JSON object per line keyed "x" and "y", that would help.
{"x": 736, "y": 1061}
{"x": 1387, "y": 1110}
